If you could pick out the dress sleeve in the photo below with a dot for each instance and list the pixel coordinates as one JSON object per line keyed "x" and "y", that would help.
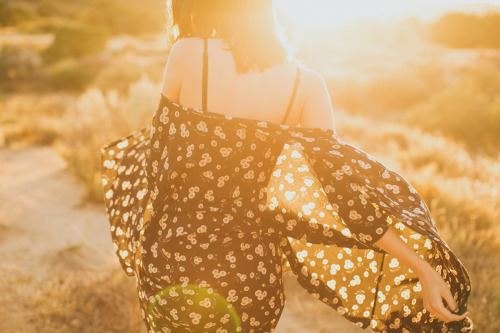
{"x": 128, "y": 169}
{"x": 125, "y": 186}
{"x": 332, "y": 202}
{"x": 157, "y": 148}
{"x": 315, "y": 202}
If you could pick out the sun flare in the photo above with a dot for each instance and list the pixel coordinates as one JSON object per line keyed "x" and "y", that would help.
{"x": 336, "y": 13}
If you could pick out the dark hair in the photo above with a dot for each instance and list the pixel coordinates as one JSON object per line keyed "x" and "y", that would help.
{"x": 247, "y": 27}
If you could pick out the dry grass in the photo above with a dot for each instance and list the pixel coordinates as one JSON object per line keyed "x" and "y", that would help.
{"x": 88, "y": 303}
{"x": 33, "y": 119}
{"x": 98, "y": 118}
{"x": 78, "y": 125}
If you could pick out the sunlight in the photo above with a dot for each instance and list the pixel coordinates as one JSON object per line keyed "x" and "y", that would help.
{"x": 460, "y": 2}
{"x": 334, "y": 13}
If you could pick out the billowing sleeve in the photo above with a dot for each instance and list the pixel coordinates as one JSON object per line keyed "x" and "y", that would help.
{"x": 331, "y": 202}
{"x": 123, "y": 164}
{"x": 157, "y": 149}
{"x": 128, "y": 171}
{"x": 318, "y": 200}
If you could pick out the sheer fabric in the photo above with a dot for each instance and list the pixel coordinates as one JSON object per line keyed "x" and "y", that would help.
{"x": 209, "y": 201}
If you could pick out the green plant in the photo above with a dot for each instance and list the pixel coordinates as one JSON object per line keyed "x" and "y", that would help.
{"x": 71, "y": 74}
{"x": 468, "y": 110}
{"x": 75, "y": 41}
{"x": 126, "y": 16}
{"x": 98, "y": 118}
{"x": 390, "y": 93}
{"x": 459, "y": 30}
{"x": 15, "y": 12}
{"x": 18, "y": 63}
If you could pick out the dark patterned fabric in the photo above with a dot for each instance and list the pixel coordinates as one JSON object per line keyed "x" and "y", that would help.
{"x": 208, "y": 210}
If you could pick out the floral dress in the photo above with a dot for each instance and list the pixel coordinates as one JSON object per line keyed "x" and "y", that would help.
{"x": 208, "y": 210}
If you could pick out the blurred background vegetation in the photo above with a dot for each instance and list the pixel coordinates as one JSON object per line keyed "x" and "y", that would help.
{"x": 424, "y": 97}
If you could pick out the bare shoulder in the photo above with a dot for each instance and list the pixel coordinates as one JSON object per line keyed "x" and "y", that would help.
{"x": 186, "y": 48}
{"x": 317, "y": 111}
{"x": 312, "y": 80}
{"x": 180, "y": 60}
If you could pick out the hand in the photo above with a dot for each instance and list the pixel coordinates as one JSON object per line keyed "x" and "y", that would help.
{"x": 434, "y": 289}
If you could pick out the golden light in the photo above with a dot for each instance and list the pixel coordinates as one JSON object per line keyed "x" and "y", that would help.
{"x": 337, "y": 13}
{"x": 334, "y": 13}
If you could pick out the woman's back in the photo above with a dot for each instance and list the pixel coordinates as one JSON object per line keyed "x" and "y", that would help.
{"x": 255, "y": 95}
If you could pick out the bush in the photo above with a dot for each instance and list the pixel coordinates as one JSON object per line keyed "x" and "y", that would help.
{"x": 75, "y": 41}
{"x": 33, "y": 119}
{"x": 117, "y": 16}
{"x": 468, "y": 110}
{"x": 71, "y": 74}
{"x": 14, "y": 12}
{"x": 18, "y": 63}
{"x": 388, "y": 93}
{"x": 98, "y": 118}
{"x": 86, "y": 301}
{"x": 125, "y": 70}
{"x": 460, "y": 30}
{"x": 126, "y": 16}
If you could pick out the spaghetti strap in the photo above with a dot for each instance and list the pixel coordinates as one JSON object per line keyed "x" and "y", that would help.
{"x": 204, "y": 92}
{"x": 292, "y": 98}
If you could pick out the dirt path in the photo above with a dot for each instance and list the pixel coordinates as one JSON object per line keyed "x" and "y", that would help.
{"x": 40, "y": 225}
{"x": 46, "y": 236}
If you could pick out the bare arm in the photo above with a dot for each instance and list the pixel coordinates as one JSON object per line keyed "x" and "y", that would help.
{"x": 433, "y": 286}
{"x": 318, "y": 112}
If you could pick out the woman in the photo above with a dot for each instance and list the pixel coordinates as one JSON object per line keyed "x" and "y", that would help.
{"x": 206, "y": 203}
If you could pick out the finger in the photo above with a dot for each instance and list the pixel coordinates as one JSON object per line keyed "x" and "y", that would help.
{"x": 437, "y": 316}
{"x": 450, "y": 301}
{"x": 445, "y": 315}
{"x": 457, "y": 317}
{"x": 437, "y": 312}
{"x": 442, "y": 313}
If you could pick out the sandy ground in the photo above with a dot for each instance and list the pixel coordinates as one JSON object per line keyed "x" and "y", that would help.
{"x": 46, "y": 234}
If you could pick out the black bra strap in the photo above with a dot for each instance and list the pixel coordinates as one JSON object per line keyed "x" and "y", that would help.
{"x": 204, "y": 76}
{"x": 292, "y": 98}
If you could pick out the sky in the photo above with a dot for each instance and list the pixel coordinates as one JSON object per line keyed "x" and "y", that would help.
{"x": 336, "y": 12}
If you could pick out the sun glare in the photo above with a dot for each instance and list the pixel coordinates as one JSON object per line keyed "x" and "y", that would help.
{"x": 336, "y": 13}
{"x": 331, "y": 12}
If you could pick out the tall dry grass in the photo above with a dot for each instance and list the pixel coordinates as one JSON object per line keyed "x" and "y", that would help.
{"x": 98, "y": 118}
{"x": 79, "y": 125}
{"x": 97, "y": 303}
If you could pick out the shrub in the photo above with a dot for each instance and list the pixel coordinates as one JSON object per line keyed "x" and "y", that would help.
{"x": 18, "y": 63}
{"x": 14, "y": 12}
{"x": 460, "y": 30}
{"x": 125, "y": 70}
{"x": 126, "y": 16}
{"x": 75, "y": 41}
{"x": 99, "y": 118}
{"x": 86, "y": 301}
{"x": 29, "y": 119}
{"x": 71, "y": 74}
{"x": 388, "y": 93}
{"x": 468, "y": 110}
